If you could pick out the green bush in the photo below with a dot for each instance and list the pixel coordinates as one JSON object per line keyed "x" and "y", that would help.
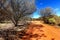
{"x": 50, "y": 21}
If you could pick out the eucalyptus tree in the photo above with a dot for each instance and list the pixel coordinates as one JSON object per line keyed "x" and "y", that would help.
{"x": 16, "y": 9}
{"x": 47, "y": 13}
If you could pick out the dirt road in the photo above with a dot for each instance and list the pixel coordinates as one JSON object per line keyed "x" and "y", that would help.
{"x": 37, "y": 30}
{"x": 40, "y": 31}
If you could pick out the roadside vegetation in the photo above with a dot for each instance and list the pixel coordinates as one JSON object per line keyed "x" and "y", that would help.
{"x": 15, "y": 16}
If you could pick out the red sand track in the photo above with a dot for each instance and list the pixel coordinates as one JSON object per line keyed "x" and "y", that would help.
{"x": 39, "y": 31}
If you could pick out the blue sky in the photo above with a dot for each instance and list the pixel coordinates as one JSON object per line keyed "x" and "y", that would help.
{"x": 55, "y": 4}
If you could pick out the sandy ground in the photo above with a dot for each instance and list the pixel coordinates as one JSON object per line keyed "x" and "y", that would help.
{"x": 6, "y": 26}
{"x": 38, "y": 31}
{"x": 42, "y": 31}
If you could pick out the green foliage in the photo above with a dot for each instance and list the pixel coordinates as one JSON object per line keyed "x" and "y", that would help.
{"x": 49, "y": 17}
{"x": 51, "y": 20}
{"x": 54, "y": 19}
{"x": 57, "y": 18}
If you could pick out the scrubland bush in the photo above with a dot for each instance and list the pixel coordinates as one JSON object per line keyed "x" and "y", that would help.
{"x": 17, "y": 9}
{"x": 49, "y": 17}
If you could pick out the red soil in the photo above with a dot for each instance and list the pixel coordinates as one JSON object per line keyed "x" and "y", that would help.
{"x": 40, "y": 31}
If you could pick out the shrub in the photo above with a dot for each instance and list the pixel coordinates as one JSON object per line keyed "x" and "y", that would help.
{"x": 50, "y": 20}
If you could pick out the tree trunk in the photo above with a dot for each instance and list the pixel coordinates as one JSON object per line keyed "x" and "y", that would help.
{"x": 16, "y": 24}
